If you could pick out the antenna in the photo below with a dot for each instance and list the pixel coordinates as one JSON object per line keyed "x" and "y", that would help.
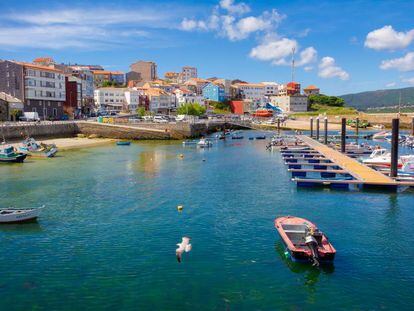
{"x": 399, "y": 106}
{"x": 293, "y": 64}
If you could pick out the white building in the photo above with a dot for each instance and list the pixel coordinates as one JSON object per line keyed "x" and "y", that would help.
{"x": 160, "y": 101}
{"x": 116, "y": 99}
{"x": 252, "y": 91}
{"x": 188, "y": 73}
{"x": 270, "y": 88}
{"x": 294, "y": 103}
{"x": 184, "y": 96}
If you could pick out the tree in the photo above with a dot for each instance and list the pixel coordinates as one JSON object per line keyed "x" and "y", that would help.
{"x": 324, "y": 100}
{"x": 141, "y": 111}
{"x": 191, "y": 109}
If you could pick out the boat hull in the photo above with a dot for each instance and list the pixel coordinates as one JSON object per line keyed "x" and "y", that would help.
{"x": 8, "y": 216}
{"x": 15, "y": 159}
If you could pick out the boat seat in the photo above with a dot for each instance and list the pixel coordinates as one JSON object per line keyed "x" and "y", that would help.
{"x": 295, "y": 231}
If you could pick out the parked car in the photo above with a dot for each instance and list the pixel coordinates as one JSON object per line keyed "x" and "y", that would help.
{"x": 160, "y": 119}
{"x": 30, "y": 116}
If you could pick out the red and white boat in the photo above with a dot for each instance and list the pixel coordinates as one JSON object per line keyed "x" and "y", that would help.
{"x": 304, "y": 241}
{"x": 382, "y": 158}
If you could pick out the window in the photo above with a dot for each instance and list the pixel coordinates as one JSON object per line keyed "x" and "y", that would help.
{"x": 55, "y": 112}
{"x": 34, "y": 109}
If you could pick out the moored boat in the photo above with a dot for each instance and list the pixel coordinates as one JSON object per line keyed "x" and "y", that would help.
{"x": 12, "y": 215}
{"x": 32, "y": 148}
{"x": 123, "y": 143}
{"x": 9, "y": 155}
{"x": 204, "y": 143}
{"x": 304, "y": 241}
{"x": 189, "y": 143}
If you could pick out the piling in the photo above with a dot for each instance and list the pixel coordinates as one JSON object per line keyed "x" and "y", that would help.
{"x": 311, "y": 127}
{"x": 394, "y": 147}
{"x": 278, "y": 124}
{"x": 317, "y": 128}
{"x": 343, "y": 135}
{"x": 357, "y": 127}
{"x": 326, "y": 130}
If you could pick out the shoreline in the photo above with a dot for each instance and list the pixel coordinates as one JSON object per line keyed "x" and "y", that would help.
{"x": 70, "y": 143}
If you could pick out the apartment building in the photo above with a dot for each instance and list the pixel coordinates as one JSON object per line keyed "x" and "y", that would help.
{"x": 147, "y": 70}
{"x": 111, "y": 99}
{"x": 101, "y": 76}
{"x": 311, "y": 90}
{"x": 290, "y": 103}
{"x": 270, "y": 88}
{"x": 188, "y": 73}
{"x": 160, "y": 101}
{"x": 40, "y": 88}
{"x": 254, "y": 92}
{"x": 185, "y": 96}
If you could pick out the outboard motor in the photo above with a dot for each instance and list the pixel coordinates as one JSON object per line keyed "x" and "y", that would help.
{"x": 312, "y": 243}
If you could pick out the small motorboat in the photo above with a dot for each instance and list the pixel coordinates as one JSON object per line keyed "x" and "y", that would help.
{"x": 237, "y": 137}
{"x": 251, "y": 138}
{"x": 304, "y": 241}
{"x": 8, "y": 154}
{"x": 204, "y": 143}
{"x": 34, "y": 149}
{"x": 123, "y": 143}
{"x": 12, "y": 215}
{"x": 261, "y": 137}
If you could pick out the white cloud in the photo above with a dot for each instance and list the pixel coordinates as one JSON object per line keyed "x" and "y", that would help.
{"x": 386, "y": 38}
{"x": 232, "y": 8}
{"x": 409, "y": 81}
{"x": 391, "y": 84}
{"x": 405, "y": 63}
{"x": 329, "y": 69}
{"x": 307, "y": 56}
{"x": 308, "y": 68}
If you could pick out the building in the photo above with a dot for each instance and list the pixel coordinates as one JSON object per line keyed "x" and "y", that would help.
{"x": 270, "y": 88}
{"x": 159, "y": 100}
{"x": 40, "y": 88}
{"x": 293, "y": 88}
{"x": 10, "y": 107}
{"x": 147, "y": 70}
{"x": 185, "y": 96}
{"x": 133, "y": 76}
{"x": 293, "y": 103}
{"x": 101, "y": 76}
{"x": 311, "y": 90}
{"x": 227, "y": 87}
{"x": 87, "y": 87}
{"x": 254, "y": 92}
{"x": 172, "y": 76}
{"x": 196, "y": 85}
{"x": 240, "y": 106}
{"x": 188, "y": 73}
{"x": 214, "y": 92}
{"x": 73, "y": 104}
{"x": 110, "y": 99}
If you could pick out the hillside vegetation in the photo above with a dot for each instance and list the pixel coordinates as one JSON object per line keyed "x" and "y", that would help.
{"x": 381, "y": 98}
{"x": 329, "y": 105}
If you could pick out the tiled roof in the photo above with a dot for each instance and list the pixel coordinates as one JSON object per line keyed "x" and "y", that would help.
{"x": 39, "y": 67}
{"x": 312, "y": 87}
{"x": 8, "y": 98}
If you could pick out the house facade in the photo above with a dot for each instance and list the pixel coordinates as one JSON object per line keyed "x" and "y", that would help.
{"x": 214, "y": 92}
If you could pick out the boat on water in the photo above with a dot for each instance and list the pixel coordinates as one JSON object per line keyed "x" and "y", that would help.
{"x": 237, "y": 137}
{"x": 34, "y": 149}
{"x": 382, "y": 135}
{"x": 263, "y": 113}
{"x": 8, "y": 154}
{"x": 123, "y": 143}
{"x": 13, "y": 215}
{"x": 205, "y": 143}
{"x": 190, "y": 143}
{"x": 304, "y": 241}
{"x": 261, "y": 137}
{"x": 382, "y": 158}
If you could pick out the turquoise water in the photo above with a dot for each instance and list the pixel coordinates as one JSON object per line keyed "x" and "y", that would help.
{"x": 106, "y": 239}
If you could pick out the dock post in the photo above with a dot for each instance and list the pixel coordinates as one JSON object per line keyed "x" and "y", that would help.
{"x": 311, "y": 127}
{"x": 326, "y": 130}
{"x": 357, "y": 126}
{"x": 343, "y": 135}
{"x": 412, "y": 127}
{"x": 278, "y": 124}
{"x": 394, "y": 147}
{"x": 317, "y": 128}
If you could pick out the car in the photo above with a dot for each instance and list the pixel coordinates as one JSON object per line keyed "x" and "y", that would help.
{"x": 30, "y": 116}
{"x": 160, "y": 119}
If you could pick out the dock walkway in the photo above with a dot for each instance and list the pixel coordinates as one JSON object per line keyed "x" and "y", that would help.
{"x": 362, "y": 173}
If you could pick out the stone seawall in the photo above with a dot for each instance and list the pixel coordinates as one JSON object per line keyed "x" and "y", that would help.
{"x": 53, "y": 129}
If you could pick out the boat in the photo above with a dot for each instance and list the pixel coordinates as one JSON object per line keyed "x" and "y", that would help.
{"x": 382, "y": 158}
{"x": 204, "y": 143}
{"x": 237, "y": 137}
{"x": 12, "y": 215}
{"x": 8, "y": 154}
{"x": 381, "y": 135}
{"x": 263, "y": 113}
{"x": 304, "y": 241}
{"x": 123, "y": 143}
{"x": 34, "y": 149}
{"x": 379, "y": 126}
{"x": 261, "y": 137}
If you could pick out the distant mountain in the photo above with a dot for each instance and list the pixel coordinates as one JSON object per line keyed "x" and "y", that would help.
{"x": 380, "y": 99}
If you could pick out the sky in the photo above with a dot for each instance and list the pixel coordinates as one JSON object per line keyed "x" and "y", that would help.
{"x": 340, "y": 46}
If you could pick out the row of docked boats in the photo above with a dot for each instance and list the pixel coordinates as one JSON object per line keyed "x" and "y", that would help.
{"x": 29, "y": 147}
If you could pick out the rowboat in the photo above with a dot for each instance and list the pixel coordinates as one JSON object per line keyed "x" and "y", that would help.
{"x": 12, "y": 215}
{"x": 32, "y": 148}
{"x": 123, "y": 143}
{"x": 9, "y": 155}
{"x": 304, "y": 241}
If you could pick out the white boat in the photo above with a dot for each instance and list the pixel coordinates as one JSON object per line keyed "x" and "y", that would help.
{"x": 12, "y": 215}
{"x": 381, "y": 135}
{"x": 379, "y": 126}
{"x": 32, "y": 148}
{"x": 379, "y": 157}
{"x": 204, "y": 143}
{"x": 189, "y": 143}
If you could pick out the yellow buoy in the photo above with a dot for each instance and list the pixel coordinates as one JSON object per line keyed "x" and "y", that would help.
{"x": 180, "y": 208}
{"x": 181, "y": 156}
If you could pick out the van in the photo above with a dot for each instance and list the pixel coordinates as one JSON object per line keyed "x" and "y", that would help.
{"x": 30, "y": 116}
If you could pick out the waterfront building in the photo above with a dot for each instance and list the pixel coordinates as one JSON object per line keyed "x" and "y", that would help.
{"x": 290, "y": 103}
{"x": 311, "y": 90}
{"x": 10, "y": 107}
{"x": 40, "y": 88}
{"x": 73, "y": 103}
{"x": 293, "y": 88}
{"x": 254, "y": 92}
{"x": 87, "y": 86}
{"x": 185, "y": 96}
{"x": 117, "y": 99}
{"x": 101, "y": 76}
{"x": 270, "y": 88}
{"x": 146, "y": 69}
{"x": 226, "y": 83}
{"x": 196, "y": 85}
{"x": 160, "y": 101}
{"x": 214, "y": 92}
{"x": 188, "y": 73}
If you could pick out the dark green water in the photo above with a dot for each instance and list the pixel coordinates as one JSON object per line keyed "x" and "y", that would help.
{"x": 106, "y": 239}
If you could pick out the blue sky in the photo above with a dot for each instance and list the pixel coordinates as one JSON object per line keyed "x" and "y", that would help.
{"x": 341, "y": 46}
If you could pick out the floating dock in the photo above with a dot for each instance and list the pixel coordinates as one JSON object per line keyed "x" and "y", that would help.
{"x": 354, "y": 172}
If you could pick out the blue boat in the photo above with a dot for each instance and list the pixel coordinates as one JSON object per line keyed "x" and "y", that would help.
{"x": 123, "y": 143}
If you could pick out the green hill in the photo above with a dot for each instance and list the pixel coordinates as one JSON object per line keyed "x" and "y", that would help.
{"x": 382, "y": 99}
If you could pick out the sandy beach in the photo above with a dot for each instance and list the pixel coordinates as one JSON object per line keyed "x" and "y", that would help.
{"x": 74, "y": 142}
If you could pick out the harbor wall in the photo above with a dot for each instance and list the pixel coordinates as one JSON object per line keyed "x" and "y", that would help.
{"x": 19, "y": 131}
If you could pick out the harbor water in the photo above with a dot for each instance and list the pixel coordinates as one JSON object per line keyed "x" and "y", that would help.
{"x": 106, "y": 239}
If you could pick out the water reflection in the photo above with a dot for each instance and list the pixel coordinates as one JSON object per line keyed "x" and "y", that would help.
{"x": 28, "y": 227}
{"x": 150, "y": 161}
